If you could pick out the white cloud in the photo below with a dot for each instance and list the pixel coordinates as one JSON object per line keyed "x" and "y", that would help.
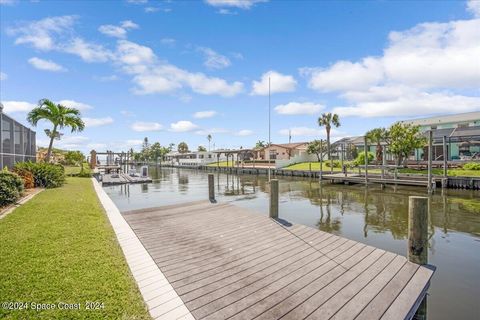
{"x": 214, "y": 60}
{"x": 97, "y": 122}
{"x": 127, "y": 113}
{"x": 75, "y": 104}
{"x": 72, "y": 142}
{"x": 88, "y": 52}
{"x": 137, "y": 1}
{"x": 134, "y": 142}
{"x": 113, "y": 31}
{"x": 112, "y": 77}
{"x": 293, "y": 108}
{"x": 473, "y": 6}
{"x": 241, "y": 4}
{"x": 345, "y": 75}
{"x": 97, "y": 146}
{"x": 204, "y": 114}
{"x": 118, "y": 31}
{"x": 169, "y": 42}
{"x": 131, "y": 53}
{"x": 278, "y": 83}
{"x": 146, "y": 126}
{"x": 7, "y": 2}
{"x": 47, "y": 65}
{"x": 3, "y": 76}
{"x": 41, "y": 34}
{"x": 226, "y": 11}
{"x": 429, "y": 69}
{"x": 183, "y": 126}
{"x": 244, "y": 133}
{"x": 129, "y": 24}
{"x": 310, "y": 132}
{"x": 151, "y": 9}
{"x": 204, "y": 132}
{"x": 17, "y": 106}
{"x": 405, "y": 101}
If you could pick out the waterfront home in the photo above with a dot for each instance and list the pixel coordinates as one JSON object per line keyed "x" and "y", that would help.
{"x": 283, "y": 151}
{"x": 192, "y": 159}
{"x": 17, "y": 142}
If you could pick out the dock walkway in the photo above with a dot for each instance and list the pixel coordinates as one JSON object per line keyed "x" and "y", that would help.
{"x": 122, "y": 178}
{"x": 226, "y": 262}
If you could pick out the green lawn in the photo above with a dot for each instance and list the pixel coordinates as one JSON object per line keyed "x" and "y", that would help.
{"x": 60, "y": 247}
{"x": 451, "y": 172}
{"x": 306, "y": 166}
{"x": 71, "y": 170}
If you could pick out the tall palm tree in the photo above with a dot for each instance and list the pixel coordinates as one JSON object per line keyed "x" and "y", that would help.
{"x": 378, "y": 135}
{"x": 209, "y": 138}
{"x": 327, "y": 120}
{"x": 60, "y": 117}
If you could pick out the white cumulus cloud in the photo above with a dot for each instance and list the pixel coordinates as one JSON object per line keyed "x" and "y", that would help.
{"x": 214, "y": 60}
{"x": 204, "y": 114}
{"x": 146, "y": 126}
{"x": 241, "y": 4}
{"x": 244, "y": 133}
{"x": 293, "y": 108}
{"x": 75, "y": 104}
{"x": 183, "y": 126}
{"x": 278, "y": 83}
{"x": 97, "y": 122}
{"x": 47, "y": 65}
{"x": 3, "y": 76}
{"x": 17, "y": 106}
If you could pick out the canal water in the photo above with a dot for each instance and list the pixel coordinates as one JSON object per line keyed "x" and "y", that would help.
{"x": 372, "y": 216}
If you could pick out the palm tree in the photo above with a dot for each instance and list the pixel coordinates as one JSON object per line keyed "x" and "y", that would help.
{"x": 327, "y": 120}
{"x": 60, "y": 116}
{"x": 209, "y": 138}
{"x": 378, "y": 135}
{"x": 182, "y": 147}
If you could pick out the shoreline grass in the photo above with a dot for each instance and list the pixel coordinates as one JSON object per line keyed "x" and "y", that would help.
{"x": 60, "y": 247}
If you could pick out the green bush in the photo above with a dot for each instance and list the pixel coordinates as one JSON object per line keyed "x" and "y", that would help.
{"x": 85, "y": 171}
{"x": 11, "y": 187}
{"x": 472, "y": 166}
{"x": 360, "y": 160}
{"x": 336, "y": 164}
{"x": 46, "y": 175}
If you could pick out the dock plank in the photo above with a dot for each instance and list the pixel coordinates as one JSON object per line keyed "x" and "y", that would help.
{"x": 227, "y": 262}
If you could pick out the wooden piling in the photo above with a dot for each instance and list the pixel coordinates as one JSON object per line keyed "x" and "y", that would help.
{"x": 366, "y": 159}
{"x": 418, "y": 229}
{"x": 430, "y": 156}
{"x": 445, "y": 158}
{"x": 273, "y": 199}
{"x": 211, "y": 187}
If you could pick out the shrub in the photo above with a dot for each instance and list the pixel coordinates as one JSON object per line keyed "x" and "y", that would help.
{"x": 336, "y": 164}
{"x": 85, "y": 171}
{"x": 472, "y": 166}
{"x": 27, "y": 176}
{"x": 46, "y": 175}
{"x": 360, "y": 160}
{"x": 11, "y": 187}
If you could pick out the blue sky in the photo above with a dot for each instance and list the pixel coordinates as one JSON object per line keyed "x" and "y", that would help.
{"x": 176, "y": 71}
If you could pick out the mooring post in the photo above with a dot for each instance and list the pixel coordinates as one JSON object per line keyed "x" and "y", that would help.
{"x": 321, "y": 159}
{"x": 418, "y": 229}
{"x": 341, "y": 160}
{"x": 430, "y": 138}
{"x": 273, "y": 199}
{"x": 310, "y": 166}
{"x": 211, "y": 188}
{"x": 366, "y": 159}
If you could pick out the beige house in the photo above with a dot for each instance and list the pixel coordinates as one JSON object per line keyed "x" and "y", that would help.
{"x": 282, "y": 151}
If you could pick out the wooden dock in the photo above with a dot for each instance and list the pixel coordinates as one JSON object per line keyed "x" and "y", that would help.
{"x": 122, "y": 178}
{"x": 226, "y": 262}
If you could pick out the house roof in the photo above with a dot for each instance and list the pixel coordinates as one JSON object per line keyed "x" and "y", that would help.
{"x": 454, "y": 118}
{"x": 292, "y": 145}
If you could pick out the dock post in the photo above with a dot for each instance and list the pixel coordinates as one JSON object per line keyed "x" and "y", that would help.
{"x": 321, "y": 160}
{"x": 366, "y": 160}
{"x": 418, "y": 229}
{"x": 273, "y": 199}
{"x": 211, "y": 188}
{"x": 430, "y": 138}
{"x": 445, "y": 157}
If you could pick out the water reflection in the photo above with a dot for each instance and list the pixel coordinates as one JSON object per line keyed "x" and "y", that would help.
{"x": 372, "y": 215}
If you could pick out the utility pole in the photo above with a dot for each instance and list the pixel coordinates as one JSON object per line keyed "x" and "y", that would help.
{"x": 269, "y": 129}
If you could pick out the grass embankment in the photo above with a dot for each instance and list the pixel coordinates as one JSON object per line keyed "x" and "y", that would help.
{"x": 60, "y": 247}
{"x": 305, "y": 166}
{"x": 451, "y": 172}
{"x": 77, "y": 170}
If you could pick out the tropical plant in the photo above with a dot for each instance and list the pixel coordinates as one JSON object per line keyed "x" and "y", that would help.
{"x": 46, "y": 175}
{"x": 209, "y": 138}
{"x": 145, "y": 153}
{"x": 328, "y": 120}
{"x": 11, "y": 187}
{"x": 471, "y": 166}
{"x": 27, "y": 177}
{"x": 360, "y": 160}
{"x": 260, "y": 144}
{"x": 201, "y": 149}
{"x": 403, "y": 139}
{"x": 377, "y": 136}
{"x": 182, "y": 147}
{"x": 60, "y": 117}
{"x": 317, "y": 147}
{"x": 74, "y": 157}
